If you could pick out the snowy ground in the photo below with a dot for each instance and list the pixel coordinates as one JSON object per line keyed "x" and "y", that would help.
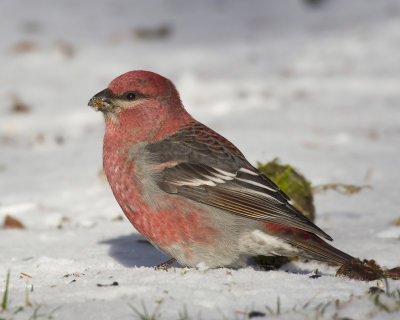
{"x": 316, "y": 87}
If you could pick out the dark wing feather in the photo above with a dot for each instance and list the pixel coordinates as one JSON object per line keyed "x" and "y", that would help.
{"x": 207, "y": 168}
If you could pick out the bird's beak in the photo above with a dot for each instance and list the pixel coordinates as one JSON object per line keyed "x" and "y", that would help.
{"x": 102, "y": 101}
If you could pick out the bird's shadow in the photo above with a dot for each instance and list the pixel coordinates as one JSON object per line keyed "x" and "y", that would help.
{"x": 134, "y": 250}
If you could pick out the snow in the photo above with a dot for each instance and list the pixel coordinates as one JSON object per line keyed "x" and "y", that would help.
{"x": 317, "y": 87}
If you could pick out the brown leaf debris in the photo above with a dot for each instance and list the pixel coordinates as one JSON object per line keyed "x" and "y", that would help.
{"x": 366, "y": 270}
{"x": 12, "y": 223}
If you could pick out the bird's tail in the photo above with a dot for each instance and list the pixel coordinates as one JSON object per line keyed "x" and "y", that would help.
{"x": 311, "y": 246}
{"x": 320, "y": 250}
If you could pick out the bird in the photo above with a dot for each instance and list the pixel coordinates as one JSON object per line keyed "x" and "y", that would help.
{"x": 188, "y": 190}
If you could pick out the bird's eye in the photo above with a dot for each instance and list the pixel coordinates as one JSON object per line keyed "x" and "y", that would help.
{"x": 131, "y": 96}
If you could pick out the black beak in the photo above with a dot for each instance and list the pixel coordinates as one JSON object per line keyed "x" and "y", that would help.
{"x": 102, "y": 101}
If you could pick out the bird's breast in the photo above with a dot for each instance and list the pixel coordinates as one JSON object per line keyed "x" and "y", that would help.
{"x": 123, "y": 181}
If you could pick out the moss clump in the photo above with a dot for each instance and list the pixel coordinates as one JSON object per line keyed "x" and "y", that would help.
{"x": 298, "y": 188}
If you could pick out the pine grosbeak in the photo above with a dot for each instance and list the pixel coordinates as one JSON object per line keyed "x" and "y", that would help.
{"x": 190, "y": 191}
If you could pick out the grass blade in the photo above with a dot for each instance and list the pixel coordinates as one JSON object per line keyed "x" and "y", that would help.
{"x": 5, "y": 295}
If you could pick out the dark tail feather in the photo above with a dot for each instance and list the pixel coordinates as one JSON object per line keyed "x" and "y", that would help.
{"x": 320, "y": 250}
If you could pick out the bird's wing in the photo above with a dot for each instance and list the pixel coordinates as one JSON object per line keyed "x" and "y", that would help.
{"x": 199, "y": 164}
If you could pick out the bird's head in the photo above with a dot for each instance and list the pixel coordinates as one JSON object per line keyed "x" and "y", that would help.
{"x": 139, "y": 96}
